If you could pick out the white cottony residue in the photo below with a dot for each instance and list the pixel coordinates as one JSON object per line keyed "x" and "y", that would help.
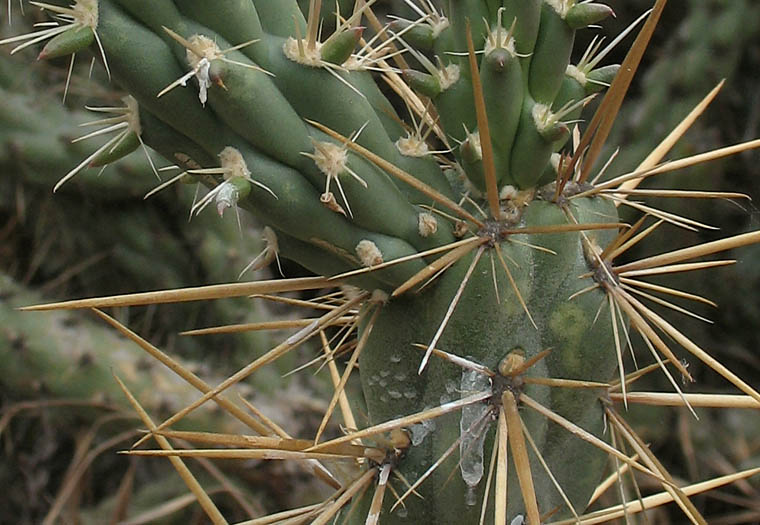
{"x": 204, "y": 80}
{"x": 452, "y": 392}
{"x": 420, "y": 430}
{"x": 519, "y": 520}
{"x": 472, "y": 428}
{"x": 470, "y": 497}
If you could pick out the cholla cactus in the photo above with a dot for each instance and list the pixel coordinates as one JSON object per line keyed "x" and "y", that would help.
{"x": 478, "y": 241}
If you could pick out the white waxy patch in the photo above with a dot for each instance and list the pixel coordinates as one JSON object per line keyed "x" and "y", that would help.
{"x": 472, "y": 428}
{"x": 427, "y": 224}
{"x": 470, "y": 497}
{"x": 204, "y": 80}
{"x": 421, "y": 430}
{"x": 227, "y": 197}
{"x": 369, "y": 253}
{"x": 201, "y": 64}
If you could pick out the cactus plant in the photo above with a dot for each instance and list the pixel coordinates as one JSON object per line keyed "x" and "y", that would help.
{"x": 478, "y": 245}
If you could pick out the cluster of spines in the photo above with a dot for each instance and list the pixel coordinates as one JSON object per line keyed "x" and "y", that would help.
{"x": 525, "y": 74}
{"x": 217, "y": 72}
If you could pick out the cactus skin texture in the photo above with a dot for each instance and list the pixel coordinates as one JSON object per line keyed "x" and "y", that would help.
{"x": 390, "y": 381}
{"x": 251, "y": 103}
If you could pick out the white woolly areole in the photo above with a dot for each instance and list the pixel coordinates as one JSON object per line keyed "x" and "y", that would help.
{"x": 369, "y": 253}
{"x": 300, "y": 52}
{"x": 543, "y": 116}
{"x": 508, "y": 192}
{"x": 498, "y": 39}
{"x": 427, "y": 224}
{"x": 331, "y": 159}
{"x": 234, "y": 164}
{"x": 412, "y": 146}
{"x": 86, "y": 13}
{"x": 448, "y": 76}
{"x": 573, "y": 72}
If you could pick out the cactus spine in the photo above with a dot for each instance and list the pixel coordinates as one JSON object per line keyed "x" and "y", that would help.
{"x": 492, "y": 306}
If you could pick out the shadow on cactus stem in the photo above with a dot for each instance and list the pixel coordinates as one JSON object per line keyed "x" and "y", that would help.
{"x": 491, "y": 321}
